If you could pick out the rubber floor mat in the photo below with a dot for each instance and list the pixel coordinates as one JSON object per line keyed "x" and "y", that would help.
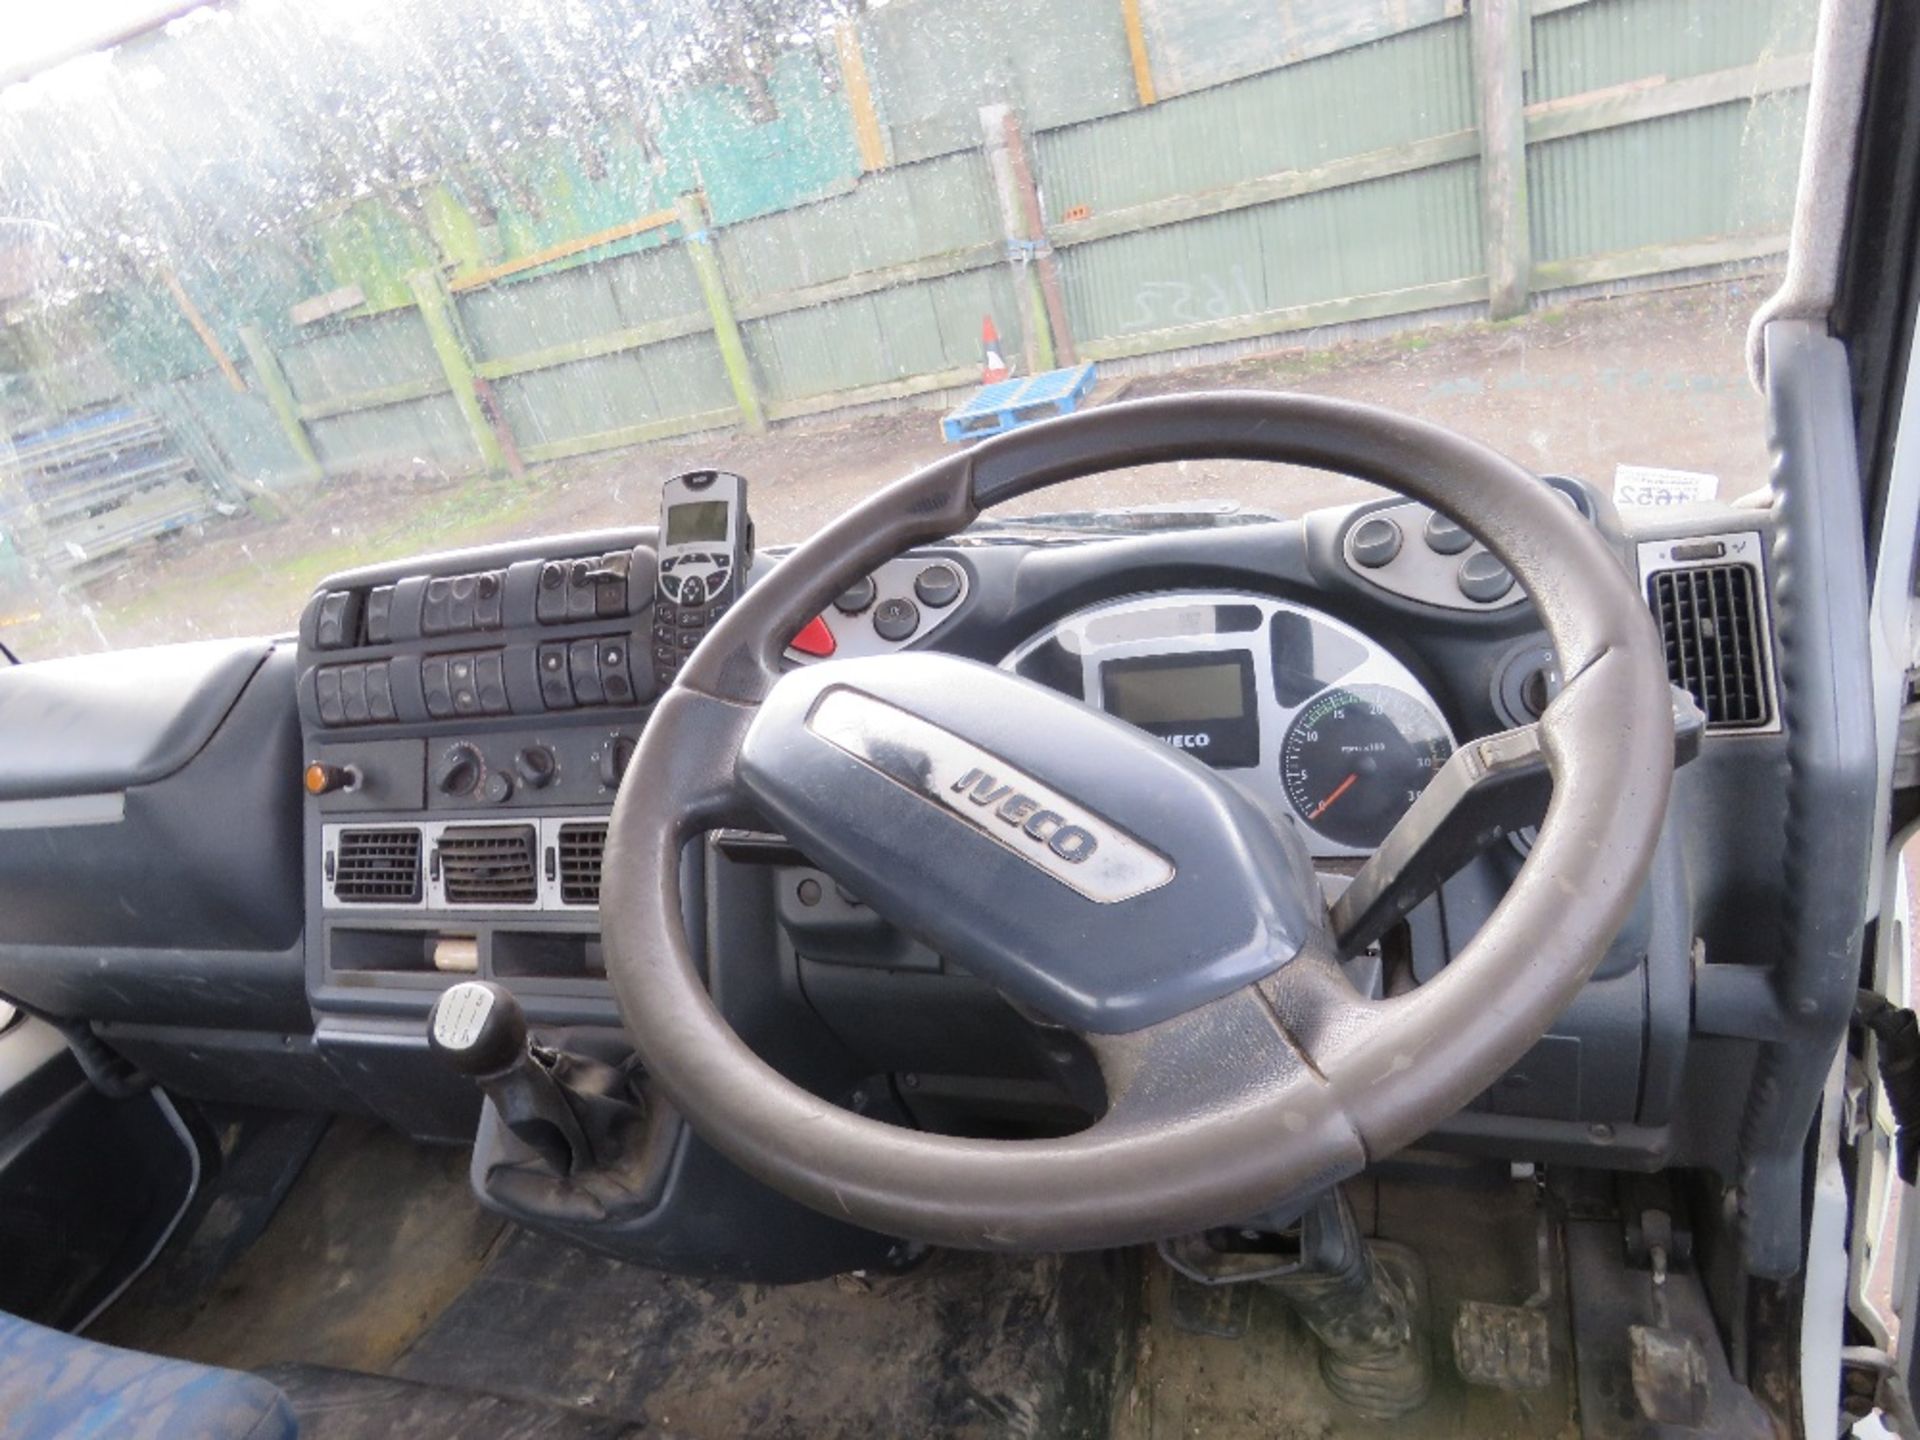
{"x": 343, "y": 1405}
{"x": 964, "y": 1346}
{"x": 376, "y": 1237}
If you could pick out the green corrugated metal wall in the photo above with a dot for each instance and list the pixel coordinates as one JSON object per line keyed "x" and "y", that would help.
{"x": 567, "y": 402}
{"x": 365, "y": 354}
{"x": 1357, "y": 240}
{"x": 936, "y": 62}
{"x": 1726, "y": 171}
{"x": 909, "y": 213}
{"x": 241, "y": 427}
{"x": 1200, "y": 43}
{"x": 1421, "y": 84}
{"x": 1612, "y": 42}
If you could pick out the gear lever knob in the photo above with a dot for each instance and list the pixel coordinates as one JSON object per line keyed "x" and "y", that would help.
{"x": 478, "y": 1028}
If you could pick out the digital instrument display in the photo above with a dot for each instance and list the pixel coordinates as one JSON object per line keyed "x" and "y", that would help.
{"x": 1164, "y": 694}
{"x": 1198, "y": 701}
{"x": 697, "y": 520}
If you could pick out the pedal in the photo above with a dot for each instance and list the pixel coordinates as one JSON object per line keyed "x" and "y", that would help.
{"x": 1507, "y": 1347}
{"x": 1217, "y": 1310}
{"x": 1670, "y": 1378}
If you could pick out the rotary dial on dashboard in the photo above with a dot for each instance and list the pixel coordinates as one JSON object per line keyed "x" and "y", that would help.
{"x": 1356, "y": 758}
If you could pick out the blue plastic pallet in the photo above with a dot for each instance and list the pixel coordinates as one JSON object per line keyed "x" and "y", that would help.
{"x": 1009, "y": 404}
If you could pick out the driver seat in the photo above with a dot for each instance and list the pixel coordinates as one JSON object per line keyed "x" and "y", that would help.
{"x": 55, "y": 1384}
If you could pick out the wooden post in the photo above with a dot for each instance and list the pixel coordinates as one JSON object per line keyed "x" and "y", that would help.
{"x": 726, "y": 330}
{"x": 1143, "y": 85}
{"x": 443, "y": 331}
{"x": 273, "y": 380}
{"x": 853, "y": 76}
{"x": 1047, "y": 331}
{"x": 1500, "y": 62}
{"x": 204, "y": 331}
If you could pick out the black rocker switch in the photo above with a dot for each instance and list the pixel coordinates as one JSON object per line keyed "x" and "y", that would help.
{"x": 479, "y": 1029}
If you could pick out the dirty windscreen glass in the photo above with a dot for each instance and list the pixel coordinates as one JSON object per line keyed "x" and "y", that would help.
{"x": 289, "y": 287}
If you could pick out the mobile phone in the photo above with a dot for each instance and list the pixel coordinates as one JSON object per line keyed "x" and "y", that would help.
{"x": 706, "y": 544}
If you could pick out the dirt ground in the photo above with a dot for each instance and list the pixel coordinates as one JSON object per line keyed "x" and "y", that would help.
{"x": 1656, "y": 378}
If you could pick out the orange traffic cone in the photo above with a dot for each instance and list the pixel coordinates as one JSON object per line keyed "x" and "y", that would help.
{"x": 994, "y": 368}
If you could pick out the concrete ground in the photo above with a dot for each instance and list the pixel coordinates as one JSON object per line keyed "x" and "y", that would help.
{"x": 1656, "y": 378}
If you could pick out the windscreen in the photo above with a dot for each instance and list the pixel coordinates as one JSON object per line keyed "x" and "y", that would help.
{"x": 291, "y": 287}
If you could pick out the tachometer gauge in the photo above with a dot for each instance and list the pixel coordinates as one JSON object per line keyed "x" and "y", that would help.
{"x": 1356, "y": 757}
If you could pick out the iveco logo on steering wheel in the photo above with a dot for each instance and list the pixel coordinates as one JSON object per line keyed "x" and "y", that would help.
{"x": 1018, "y": 812}
{"x": 1072, "y": 843}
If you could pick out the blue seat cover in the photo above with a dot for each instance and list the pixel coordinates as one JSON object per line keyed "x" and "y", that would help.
{"x": 53, "y": 1384}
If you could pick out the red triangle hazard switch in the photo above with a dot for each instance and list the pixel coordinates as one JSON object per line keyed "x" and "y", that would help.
{"x": 815, "y": 638}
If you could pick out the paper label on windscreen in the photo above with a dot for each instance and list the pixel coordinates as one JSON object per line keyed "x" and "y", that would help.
{"x": 1648, "y": 487}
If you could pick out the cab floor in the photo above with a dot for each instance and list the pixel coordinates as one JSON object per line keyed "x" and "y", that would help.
{"x": 378, "y": 1263}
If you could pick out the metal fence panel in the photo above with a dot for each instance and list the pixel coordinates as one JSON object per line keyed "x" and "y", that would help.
{"x": 515, "y": 318}
{"x": 907, "y": 213}
{"x": 1614, "y": 42}
{"x": 1197, "y": 43}
{"x": 660, "y": 383}
{"x": 934, "y": 63}
{"x": 890, "y": 335}
{"x": 588, "y": 397}
{"x": 359, "y": 355}
{"x": 424, "y": 435}
{"x": 1706, "y": 174}
{"x": 241, "y": 427}
{"x": 1421, "y": 84}
{"x": 1384, "y": 235}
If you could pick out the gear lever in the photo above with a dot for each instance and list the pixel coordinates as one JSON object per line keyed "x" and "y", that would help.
{"x": 479, "y": 1029}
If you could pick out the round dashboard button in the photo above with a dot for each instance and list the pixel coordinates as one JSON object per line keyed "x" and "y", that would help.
{"x": 1444, "y": 537}
{"x": 896, "y": 619}
{"x": 536, "y": 766}
{"x": 1375, "y": 542}
{"x": 938, "y": 585}
{"x": 856, "y": 597}
{"x": 1483, "y": 578}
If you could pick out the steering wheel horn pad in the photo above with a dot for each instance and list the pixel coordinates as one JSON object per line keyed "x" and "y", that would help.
{"x": 1240, "y": 1066}
{"x": 1084, "y": 868}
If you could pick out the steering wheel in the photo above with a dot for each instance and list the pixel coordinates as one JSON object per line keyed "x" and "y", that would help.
{"x": 1109, "y": 884}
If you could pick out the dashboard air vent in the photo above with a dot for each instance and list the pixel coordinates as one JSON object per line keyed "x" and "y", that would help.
{"x": 581, "y": 846}
{"x": 377, "y": 867}
{"x": 1710, "y": 623}
{"x": 489, "y": 865}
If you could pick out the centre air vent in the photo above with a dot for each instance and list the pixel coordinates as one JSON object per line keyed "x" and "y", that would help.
{"x": 377, "y": 867}
{"x": 489, "y": 865}
{"x": 1711, "y": 625}
{"x": 581, "y": 845}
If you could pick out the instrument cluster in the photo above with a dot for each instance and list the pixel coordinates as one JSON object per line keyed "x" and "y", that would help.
{"x": 1304, "y": 711}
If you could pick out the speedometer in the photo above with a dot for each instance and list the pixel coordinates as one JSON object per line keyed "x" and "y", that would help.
{"x": 1357, "y": 757}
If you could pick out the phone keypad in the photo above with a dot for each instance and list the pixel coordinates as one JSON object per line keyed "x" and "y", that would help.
{"x": 677, "y": 628}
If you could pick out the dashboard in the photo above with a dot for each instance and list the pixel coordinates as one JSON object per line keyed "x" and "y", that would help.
{"x": 315, "y": 837}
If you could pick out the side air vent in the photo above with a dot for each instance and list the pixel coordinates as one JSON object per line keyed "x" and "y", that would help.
{"x": 377, "y": 867}
{"x": 1711, "y": 624}
{"x": 581, "y": 846}
{"x": 489, "y": 865}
